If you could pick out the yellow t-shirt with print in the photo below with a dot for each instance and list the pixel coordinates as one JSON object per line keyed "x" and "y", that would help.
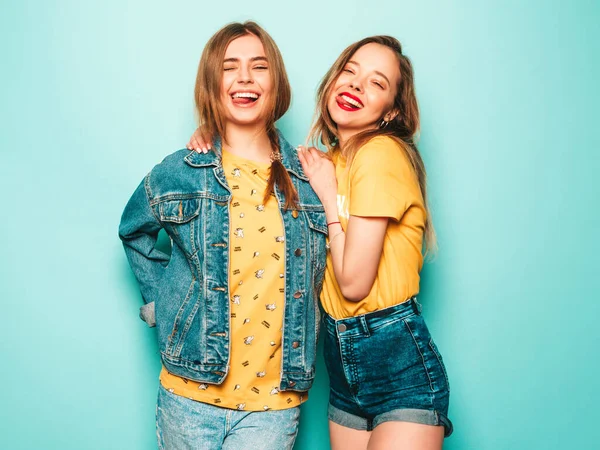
{"x": 380, "y": 183}
{"x": 256, "y": 280}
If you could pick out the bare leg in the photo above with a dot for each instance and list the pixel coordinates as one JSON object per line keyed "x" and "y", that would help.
{"x": 406, "y": 436}
{"x": 344, "y": 438}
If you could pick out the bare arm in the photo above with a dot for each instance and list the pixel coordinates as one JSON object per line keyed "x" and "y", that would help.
{"x": 356, "y": 252}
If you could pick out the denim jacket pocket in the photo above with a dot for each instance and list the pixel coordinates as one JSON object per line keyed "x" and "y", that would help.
{"x": 318, "y": 225}
{"x": 179, "y": 220}
{"x": 317, "y": 220}
{"x": 179, "y": 211}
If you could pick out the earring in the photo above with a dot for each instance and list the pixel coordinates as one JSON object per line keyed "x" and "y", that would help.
{"x": 384, "y": 123}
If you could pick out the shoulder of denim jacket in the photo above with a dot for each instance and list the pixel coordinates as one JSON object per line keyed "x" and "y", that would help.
{"x": 175, "y": 163}
{"x": 169, "y": 174}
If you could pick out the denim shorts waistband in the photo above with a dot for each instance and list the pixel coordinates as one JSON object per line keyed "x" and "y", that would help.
{"x": 361, "y": 324}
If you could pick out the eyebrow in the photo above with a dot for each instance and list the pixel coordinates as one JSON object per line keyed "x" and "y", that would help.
{"x": 376, "y": 71}
{"x": 253, "y": 59}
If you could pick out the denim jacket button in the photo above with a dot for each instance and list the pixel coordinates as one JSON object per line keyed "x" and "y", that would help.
{"x": 298, "y": 252}
{"x": 295, "y": 214}
{"x": 297, "y": 294}
{"x": 342, "y": 327}
{"x": 295, "y": 344}
{"x": 291, "y": 383}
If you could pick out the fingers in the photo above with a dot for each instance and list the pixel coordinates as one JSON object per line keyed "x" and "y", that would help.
{"x": 308, "y": 155}
{"x": 191, "y": 143}
{"x": 194, "y": 144}
{"x": 204, "y": 142}
{"x": 199, "y": 143}
{"x": 315, "y": 153}
{"x": 302, "y": 158}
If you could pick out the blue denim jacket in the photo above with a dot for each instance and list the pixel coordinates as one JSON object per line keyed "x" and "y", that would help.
{"x": 187, "y": 195}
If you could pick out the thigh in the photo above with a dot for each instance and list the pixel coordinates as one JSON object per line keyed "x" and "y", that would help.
{"x": 406, "y": 436}
{"x": 183, "y": 424}
{"x": 267, "y": 430}
{"x": 344, "y": 438}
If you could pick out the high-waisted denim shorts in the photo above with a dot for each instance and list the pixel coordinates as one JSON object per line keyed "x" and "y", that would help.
{"x": 384, "y": 366}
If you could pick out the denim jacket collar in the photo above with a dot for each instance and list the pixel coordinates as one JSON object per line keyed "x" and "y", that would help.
{"x": 289, "y": 157}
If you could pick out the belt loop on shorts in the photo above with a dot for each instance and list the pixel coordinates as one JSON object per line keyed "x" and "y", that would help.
{"x": 417, "y": 308}
{"x": 365, "y": 325}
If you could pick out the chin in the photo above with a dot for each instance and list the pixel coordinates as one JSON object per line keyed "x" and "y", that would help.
{"x": 249, "y": 116}
{"x": 341, "y": 120}
{"x": 247, "y": 121}
{"x": 242, "y": 118}
{"x": 339, "y": 117}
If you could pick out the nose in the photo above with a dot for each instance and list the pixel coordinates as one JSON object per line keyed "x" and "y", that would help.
{"x": 245, "y": 76}
{"x": 356, "y": 84}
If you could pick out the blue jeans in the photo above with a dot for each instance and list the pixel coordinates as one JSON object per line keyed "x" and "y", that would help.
{"x": 384, "y": 366}
{"x": 182, "y": 423}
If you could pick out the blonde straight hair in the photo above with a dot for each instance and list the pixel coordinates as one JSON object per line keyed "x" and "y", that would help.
{"x": 207, "y": 94}
{"x": 403, "y": 128}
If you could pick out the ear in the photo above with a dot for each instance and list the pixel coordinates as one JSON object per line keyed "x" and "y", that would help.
{"x": 391, "y": 115}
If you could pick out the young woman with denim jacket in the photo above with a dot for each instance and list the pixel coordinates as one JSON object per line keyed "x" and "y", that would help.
{"x": 389, "y": 387}
{"x": 235, "y": 303}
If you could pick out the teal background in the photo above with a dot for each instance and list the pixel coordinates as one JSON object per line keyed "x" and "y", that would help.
{"x": 95, "y": 93}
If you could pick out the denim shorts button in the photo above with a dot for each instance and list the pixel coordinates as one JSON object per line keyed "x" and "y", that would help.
{"x": 341, "y": 327}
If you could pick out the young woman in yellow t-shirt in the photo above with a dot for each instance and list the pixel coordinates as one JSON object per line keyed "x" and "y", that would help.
{"x": 236, "y": 298}
{"x": 389, "y": 387}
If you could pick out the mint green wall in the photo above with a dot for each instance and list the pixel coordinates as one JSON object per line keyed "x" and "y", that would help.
{"x": 95, "y": 93}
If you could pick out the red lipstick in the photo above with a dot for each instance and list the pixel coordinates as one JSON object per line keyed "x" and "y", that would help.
{"x": 346, "y": 105}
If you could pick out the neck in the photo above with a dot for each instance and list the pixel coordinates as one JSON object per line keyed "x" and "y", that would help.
{"x": 345, "y": 134}
{"x": 250, "y": 142}
{"x": 343, "y": 137}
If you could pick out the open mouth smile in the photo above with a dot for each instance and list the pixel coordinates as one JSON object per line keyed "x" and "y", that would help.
{"x": 349, "y": 102}
{"x": 244, "y": 98}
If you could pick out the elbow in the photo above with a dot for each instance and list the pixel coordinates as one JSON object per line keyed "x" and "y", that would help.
{"x": 354, "y": 293}
{"x": 123, "y": 231}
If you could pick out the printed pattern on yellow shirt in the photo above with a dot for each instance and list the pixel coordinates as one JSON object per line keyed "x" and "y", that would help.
{"x": 257, "y": 267}
{"x": 380, "y": 183}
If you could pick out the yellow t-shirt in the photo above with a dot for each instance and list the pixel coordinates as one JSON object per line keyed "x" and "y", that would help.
{"x": 256, "y": 279}
{"x": 380, "y": 183}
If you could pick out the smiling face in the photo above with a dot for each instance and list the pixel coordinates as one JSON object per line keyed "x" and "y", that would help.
{"x": 246, "y": 83}
{"x": 365, "y": 90}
